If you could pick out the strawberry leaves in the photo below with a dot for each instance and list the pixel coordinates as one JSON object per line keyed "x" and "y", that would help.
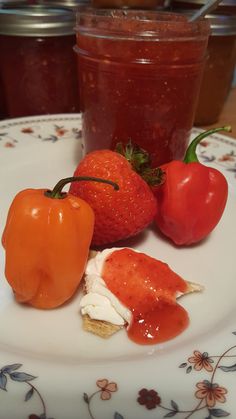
{"x": 141, "y": 163}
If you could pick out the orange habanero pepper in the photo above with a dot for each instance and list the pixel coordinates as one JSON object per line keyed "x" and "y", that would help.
{"x": 46, "y": 239}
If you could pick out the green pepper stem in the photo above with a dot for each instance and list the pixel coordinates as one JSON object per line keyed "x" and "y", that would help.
{"x": 57, "y": 193}
{"x": 191, "y": 155}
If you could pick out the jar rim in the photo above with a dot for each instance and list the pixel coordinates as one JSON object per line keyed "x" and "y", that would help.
{"x": 36, "y": 20}
{"x": 138, "y": 24}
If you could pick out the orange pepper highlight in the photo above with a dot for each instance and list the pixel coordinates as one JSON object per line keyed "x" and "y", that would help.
{"x": 46, "y": 240}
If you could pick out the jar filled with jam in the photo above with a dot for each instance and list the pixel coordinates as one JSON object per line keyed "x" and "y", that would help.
{"x": 140, "y": 74}
{"x": 219, "y": 69}
{"x": 38, "y": 64}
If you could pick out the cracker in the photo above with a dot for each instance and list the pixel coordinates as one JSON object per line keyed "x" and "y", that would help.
{"x": 193, "y": 287}
{"x": 105, "y": 329}
{"x": 99, "y": 327}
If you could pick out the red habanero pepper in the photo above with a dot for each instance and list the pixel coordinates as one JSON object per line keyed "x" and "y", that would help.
{"x": 192, "y": 199}
{"x": 46, "y": 240}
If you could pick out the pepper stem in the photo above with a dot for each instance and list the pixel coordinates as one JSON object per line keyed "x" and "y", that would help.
{"x": 57, "y": 193}
{"x": 191, "y": 155}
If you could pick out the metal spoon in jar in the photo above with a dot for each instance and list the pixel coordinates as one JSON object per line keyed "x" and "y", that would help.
{"x": 204, "y": 10}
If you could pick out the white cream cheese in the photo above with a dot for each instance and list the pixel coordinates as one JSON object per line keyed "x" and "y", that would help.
{"x": 99, "y": 302}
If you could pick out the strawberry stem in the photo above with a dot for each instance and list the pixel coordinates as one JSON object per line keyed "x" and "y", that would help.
{"x": 141, "y": 163}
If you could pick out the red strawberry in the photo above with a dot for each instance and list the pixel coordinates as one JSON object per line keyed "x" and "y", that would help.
{"x": 118, "y": 214}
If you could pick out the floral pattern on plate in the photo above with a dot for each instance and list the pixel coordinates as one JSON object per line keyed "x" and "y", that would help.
{"x": 211, "y": 152}
{"x": 10, "y": 372}
{"x": 24, "y": 131}
{"x": 209, "y": 395}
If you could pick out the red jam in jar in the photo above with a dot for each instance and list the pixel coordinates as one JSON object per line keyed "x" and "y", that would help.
{"x": 219, "y": 70}
{"x": 140, "y": 74}
{"x": 38, "y": 64}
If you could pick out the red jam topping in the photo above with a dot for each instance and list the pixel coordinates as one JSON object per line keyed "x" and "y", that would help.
{"x": 148, "y": 288}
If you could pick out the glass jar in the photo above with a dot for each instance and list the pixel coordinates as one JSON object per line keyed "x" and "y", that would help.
{"x": 38, "y": 64}
{"x": 219, "y": 70}
{"x": 140, "y": 75}
{"x": 137, "y": 4}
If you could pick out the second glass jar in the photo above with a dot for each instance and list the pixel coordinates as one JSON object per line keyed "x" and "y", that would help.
{"x": 38, "y": 64}
{"x": 219, "y": 69}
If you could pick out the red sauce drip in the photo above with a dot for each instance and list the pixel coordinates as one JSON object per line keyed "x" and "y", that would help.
{"x": 148, "y": 288}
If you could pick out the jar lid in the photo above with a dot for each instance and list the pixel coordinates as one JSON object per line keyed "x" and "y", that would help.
{"x": 202, "y": 2}
{"x": 5, "y": 3}
{"x": 36, "y": 21}
{"x": 72, "y": 4}
{"x": 221, "y": 25}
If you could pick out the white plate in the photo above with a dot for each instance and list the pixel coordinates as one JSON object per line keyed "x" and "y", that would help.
{"x": 50, "y": 368}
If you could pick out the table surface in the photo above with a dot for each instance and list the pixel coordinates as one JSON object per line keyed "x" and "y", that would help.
{"x": 228, "y": 114}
